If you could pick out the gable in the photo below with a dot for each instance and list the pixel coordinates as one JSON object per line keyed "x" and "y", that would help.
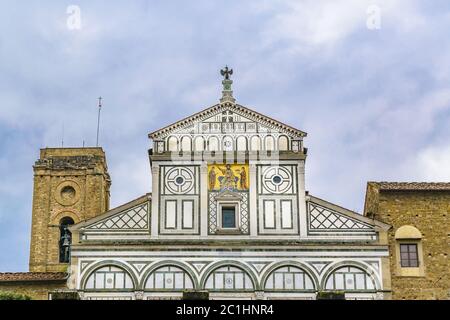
{"x": 327, "y": 219}
{"x": 131, "y": 220}
{"x": 226, "y": 117}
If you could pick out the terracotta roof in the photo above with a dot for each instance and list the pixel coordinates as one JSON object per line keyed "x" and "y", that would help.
{"x": 32, "y": 276}
{"x": 425, "y": 186}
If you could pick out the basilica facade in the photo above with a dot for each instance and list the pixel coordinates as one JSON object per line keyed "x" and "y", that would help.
{"x": 229, "y": 215}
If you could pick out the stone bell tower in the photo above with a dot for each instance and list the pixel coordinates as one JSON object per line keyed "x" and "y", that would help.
{"x": 70, "y": 185}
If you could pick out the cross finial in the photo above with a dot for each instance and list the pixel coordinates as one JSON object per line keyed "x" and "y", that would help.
{"x": 226, "y": 73}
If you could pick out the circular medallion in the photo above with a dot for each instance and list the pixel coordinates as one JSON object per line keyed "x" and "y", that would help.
{"x": 277, "y": 180}
{"x": 179, "y": 180}
{"x": 67, "y": 193}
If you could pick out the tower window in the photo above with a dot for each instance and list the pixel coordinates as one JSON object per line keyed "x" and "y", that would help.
{"x": 229, "y": 217}
{"x": 408, "y": 255}
{"x": 65, "y": 239}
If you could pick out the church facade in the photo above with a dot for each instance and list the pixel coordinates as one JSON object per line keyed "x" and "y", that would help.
{"x": 228, "y": 217}
{"x": 229, "y": 214}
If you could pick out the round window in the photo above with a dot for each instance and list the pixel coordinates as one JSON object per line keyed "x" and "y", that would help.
{"x": 179, "y": 180}
{"x": 277, "y": 179}
{"x": 68, "y": 193}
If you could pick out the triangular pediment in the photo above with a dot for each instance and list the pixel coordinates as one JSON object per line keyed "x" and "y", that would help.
{"x": 228, "y": 195}
{"x": 240, "y": 118}
{"x": 132, "y": 216}
{"x": 324, "y": 216}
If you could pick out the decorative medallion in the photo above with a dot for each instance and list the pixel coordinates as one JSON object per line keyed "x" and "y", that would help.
{"x": 179, "y": 180}
{"x": 67, "y": 193}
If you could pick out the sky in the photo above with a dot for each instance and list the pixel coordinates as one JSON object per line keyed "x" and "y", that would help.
{"x": 368, "y": 81}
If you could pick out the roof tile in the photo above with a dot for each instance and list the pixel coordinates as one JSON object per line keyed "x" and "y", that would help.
{"x": 412, "y": 186}
{"x": 32, "y": 276}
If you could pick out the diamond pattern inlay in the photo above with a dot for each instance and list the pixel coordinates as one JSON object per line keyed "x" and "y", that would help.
{"x": 133, "y": 219}
{"x": 323, "y": 219}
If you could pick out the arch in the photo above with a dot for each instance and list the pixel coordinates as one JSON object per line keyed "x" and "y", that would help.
{"x": 186, "y": 144}
{"x": 294, "y": 264}
{"x": 109, "y": 263}
{"x": 154, "y": 267}
{"x": 241, "y": 143}
{"x": 233, "y": 264}
{"x": 362, "y": 270}
{"x": 56, "y": 219}
{"x": 172, "y": 144}
{"x": 213, "y": 144}
{"x": 227, "y": 143}
{"x": 65, "y": 239}
{"x": 408, "y": 232}
{"x": 255, "y": 143}
{"x": 269, "y": 143}
{"x": 283, "y": 143}
{"x": 199, "y": 144}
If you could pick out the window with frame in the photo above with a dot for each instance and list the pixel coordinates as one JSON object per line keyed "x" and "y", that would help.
{"x": 229, "y": 217}
{"x": 409, "y": 257}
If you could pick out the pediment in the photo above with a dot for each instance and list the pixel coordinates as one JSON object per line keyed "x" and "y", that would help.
{"x": 226, "y": 117}
{"x": 228, "y": 195}
{"x": 326, "y": 217}
{"x": 132, "y": 216}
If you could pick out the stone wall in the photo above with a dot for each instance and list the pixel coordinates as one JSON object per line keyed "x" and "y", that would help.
{"x": 426, "y": 210}
{"x": 37, "y": 291}
{"x": 68, "y": 182}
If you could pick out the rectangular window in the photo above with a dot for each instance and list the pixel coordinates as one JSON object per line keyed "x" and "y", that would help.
{"x": 188, "y": 214}
{"x": 286, "y": 214}
{"x": 229, "y": 217}
{"x": 269, "y": 214}
{"x": 171, "y": 214}
{"x": 408, "y": 256}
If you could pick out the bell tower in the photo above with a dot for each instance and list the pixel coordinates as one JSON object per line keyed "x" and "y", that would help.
{"x": 70, "y": 185}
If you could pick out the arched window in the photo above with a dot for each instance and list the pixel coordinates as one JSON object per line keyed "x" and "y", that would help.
{"x": 172, "y": 144}
{"x": 283, "y": 143}
{"x": 109, "y": 278}
{"x": 241, "y": 143}
{"x": 213, "y": 144}
{"x": 289, "y": 278}
{"x": 409, "y": 251}
{"x": 269, "y": 143}
{"x": 169, "y": 278}
{"x": 199, "y": 144}
{"x": 255, "y": 143}
{"x": 227, "y": 144}
{"x": 186, "y": 144}
{"x": 65, "y": 239}
{"x": 229, "y": 278}
{"x": 350, "y": 278}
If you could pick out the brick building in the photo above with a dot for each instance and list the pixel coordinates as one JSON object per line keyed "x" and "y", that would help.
{"x": 419, "y": 237}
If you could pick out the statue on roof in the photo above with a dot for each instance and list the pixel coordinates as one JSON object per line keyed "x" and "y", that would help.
{"x": 226, "y": 73}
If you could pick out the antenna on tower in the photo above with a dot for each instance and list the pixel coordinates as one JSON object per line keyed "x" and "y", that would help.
{"x": 98, "y": 119}
{"x": 62, "y": 139}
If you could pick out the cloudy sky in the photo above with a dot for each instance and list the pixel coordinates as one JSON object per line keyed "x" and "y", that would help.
{"x": 373, "y": 92}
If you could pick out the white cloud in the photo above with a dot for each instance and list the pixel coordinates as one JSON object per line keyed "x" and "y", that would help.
{"x": 311, "y": 25}
{"x": 433, "y": 164}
